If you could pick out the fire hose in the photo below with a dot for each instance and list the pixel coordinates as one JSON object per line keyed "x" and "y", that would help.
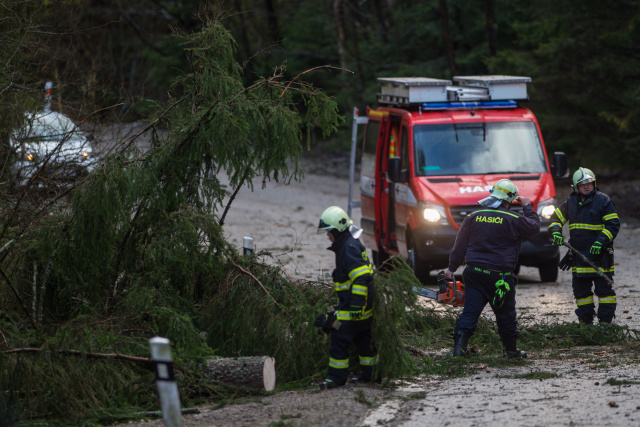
{"x": 598, "y": 270}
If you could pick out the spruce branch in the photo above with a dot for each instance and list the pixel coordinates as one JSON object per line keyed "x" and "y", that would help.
{"x": 261, "y": 285}
{"x": 146, "y": 360}
{"x": 17, "y": 295}
{"x": 320, "y": 67}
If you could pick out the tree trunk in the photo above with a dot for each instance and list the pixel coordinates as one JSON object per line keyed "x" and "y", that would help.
{"x": 491, "y": 26}
{"x": 338, "y": 16}
{"x": 254, "y": 372}
{"x": 446, "y": 37}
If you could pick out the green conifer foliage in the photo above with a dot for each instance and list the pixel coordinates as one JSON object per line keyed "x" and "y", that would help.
{"x": 139, "y": 250}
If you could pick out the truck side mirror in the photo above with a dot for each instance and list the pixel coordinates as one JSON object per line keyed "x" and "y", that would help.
{"x": 394, "y": 172}
{"x": 559, "y": 168}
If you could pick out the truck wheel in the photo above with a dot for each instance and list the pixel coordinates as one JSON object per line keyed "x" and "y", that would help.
{"x": 549, "y": 270}
{"x": 421, "y": 272}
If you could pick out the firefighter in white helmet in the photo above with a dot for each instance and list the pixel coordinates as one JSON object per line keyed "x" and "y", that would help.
{"x": 349, "y": 321}
{"x": 593, "y": 224}
{"x": 489, "y": 242}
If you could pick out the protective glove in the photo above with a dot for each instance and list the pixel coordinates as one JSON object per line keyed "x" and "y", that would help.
{"x": 556, "y": 238}
{"x": 567, "y": 261}
{"x": 596, "y": 248}
{"x": 327, "y": 322}
{"x": 502, "y": 288}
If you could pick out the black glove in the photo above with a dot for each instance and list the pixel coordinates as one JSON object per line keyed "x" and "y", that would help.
{"x": 567, "y": 261}
{"x": 326, "y": 322}
{"x": 502, "y": 288}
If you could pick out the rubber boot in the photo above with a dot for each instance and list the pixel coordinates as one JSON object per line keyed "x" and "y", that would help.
{"x": 360, "y": 379}
{"x": 460, "y": 341}
{"x": 586, "y": 320}
{"x": 607, "y": 319}
{"x": 510, "y": 349}
{"x": 329, "y": 384}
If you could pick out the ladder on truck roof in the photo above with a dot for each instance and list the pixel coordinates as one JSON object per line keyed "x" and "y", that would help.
{"x": 404, "y": 91}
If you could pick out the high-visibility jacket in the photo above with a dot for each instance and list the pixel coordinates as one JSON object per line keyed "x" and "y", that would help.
{"x": 491, "y": 238}
{"x": 591, "y": 219}
{"x": 353, "y": 282}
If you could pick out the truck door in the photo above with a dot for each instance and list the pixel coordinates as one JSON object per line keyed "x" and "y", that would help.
{"x": 374, "y": 193}
{"x": 402, "y": 193}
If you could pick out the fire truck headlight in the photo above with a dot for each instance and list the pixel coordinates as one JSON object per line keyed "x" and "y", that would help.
{"x": 546, "y": 208}
{"x": 434, "y": 213}
{"x": 431, "y": 215}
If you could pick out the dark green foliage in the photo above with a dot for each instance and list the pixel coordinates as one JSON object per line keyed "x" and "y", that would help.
{"x": 574, "y": 334}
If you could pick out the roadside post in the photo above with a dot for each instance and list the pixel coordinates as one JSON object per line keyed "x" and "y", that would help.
{"x": 247, "y": 245}
{"x": 167, "y": 387}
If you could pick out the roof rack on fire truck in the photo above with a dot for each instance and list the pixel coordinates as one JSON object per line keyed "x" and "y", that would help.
{"x": 469, "y": 91}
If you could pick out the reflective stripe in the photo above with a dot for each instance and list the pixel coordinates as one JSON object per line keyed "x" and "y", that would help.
{"x": 560, "y": 216}
{"x": 578, "y": 226}
{"x": 584, "y": 301}
{"x": 346, "y": 315}
{"x": 369, "y": 361}
{"x": 610, "y": 217}
{"x": 554, "y": 224}
{"x": 591, "y": 270}
{"x": 496, "y": 212}
{"x": 341, "y": 286}
{"x": 608, "y": 234}
{"x": 339, "y": 363}
{"x": 357, "y": 272}
{"x": 360, "y": 290}
{"x": 608, "y": 300}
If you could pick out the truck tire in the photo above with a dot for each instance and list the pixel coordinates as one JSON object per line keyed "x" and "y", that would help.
{"x": 549, "y": 271}
{"x": 419, "y": 269}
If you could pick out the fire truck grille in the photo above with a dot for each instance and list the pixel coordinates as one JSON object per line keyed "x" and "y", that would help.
{"x": 459, "y": 212}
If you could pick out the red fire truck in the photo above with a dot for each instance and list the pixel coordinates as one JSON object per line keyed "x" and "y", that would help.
{"x": 433, "y": 148}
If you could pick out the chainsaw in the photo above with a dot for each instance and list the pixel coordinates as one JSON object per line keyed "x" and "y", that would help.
{"x": 449, "y": 292}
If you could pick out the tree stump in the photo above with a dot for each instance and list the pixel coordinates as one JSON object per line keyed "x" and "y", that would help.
{"x": 254, "y": 372}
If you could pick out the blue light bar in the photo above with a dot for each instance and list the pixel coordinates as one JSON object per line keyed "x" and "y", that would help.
{"x": 468, "y": 105}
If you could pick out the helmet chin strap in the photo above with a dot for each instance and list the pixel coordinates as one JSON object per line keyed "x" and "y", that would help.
{"x": 335, "y": 233}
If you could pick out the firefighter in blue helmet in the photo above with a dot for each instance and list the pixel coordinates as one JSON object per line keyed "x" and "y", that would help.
{"x": 350, "y": 321}
{"x": 593, "y": 224}
{"x": 490, "y": 239}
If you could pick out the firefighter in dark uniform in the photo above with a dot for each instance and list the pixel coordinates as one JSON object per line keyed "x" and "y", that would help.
{"x": 593, "y": 224}
{"x": 349, "y": 321}
{"x": 489, "y": 239}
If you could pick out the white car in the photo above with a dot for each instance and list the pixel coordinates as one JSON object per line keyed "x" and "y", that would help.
{"x": 52, "y": 135}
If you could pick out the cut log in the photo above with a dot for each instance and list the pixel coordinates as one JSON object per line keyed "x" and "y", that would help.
{"x": 256, "y": 372}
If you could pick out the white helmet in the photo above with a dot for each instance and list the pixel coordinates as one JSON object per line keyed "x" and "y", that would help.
{"x": 334, "y": 218}
{"x": 505, "y": 190}
{"x": 583, "y": 176}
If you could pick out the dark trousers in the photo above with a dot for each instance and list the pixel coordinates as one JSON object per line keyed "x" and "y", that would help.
{"x": 480, "y": 289}
{"x": 584, "y": 297}
{"x": 339, "y": 355}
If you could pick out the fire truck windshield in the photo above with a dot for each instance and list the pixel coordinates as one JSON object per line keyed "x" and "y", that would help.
{"x": 477, "y": 149}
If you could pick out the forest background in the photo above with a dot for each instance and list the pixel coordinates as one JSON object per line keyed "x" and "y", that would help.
{"x": 235, "y": 88}
{"x": 581, "y": 55}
